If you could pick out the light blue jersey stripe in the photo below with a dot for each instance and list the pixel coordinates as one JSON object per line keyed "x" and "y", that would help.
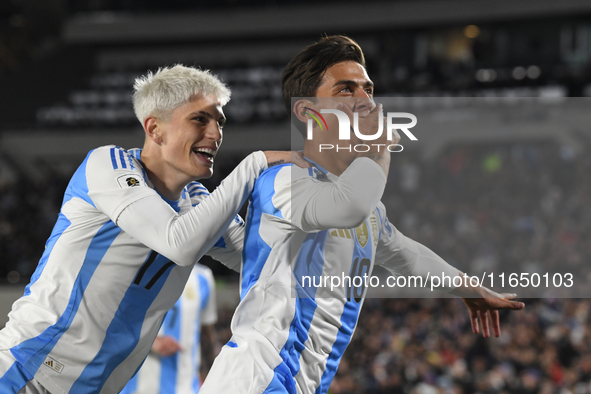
{"x": 261, "y": 201}
{"x": 196, "y": 194}
{"x": 310, "y": 262}
{"x": 350, "y": 313}
{"x": 14, "y": 379}
{"x": 282, "y": 382}
{"x": 194, "y": 187}
{"x": 124, "y": 330}
{"x": 204, "y": 291}
{"x": 32, "y": 352}
{"x": 130, "y": 160}
{"x": 114, "y": 159}
{"x": 348, "y": 323}
{"x": 221, "y": 243}
{"x": 122, "y": 158}
{"x": 172, "y": 328}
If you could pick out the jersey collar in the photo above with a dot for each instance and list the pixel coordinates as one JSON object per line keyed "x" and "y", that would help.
{"x": 328, "y": 174}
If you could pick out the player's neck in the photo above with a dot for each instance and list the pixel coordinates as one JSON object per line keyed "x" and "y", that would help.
{"x": 334, "y": 162}
{"x": 165, "y": 181}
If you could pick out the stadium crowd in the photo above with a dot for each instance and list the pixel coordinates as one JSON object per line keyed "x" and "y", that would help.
{"x": 28, "y": 211}
{"x": 516, "y": 207}
{"x": 513, "y": 208}
{"x": 509, "y": 208}
{"x": 426, "y": 347}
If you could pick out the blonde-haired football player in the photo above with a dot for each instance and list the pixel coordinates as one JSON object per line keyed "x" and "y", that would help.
{"x": 131, "y": 226}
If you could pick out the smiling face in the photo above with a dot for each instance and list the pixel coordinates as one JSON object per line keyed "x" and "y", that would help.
{"x": 342, "y": 83}
{"x": 189, "y": 139}
{"x": 349, "y": 83}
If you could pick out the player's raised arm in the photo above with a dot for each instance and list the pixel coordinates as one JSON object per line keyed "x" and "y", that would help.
{"x": 404, "y": 256}
{"x": 185, "y": 238}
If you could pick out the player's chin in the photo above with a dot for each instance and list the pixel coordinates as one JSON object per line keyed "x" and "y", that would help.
{"x": 206, "y": 173}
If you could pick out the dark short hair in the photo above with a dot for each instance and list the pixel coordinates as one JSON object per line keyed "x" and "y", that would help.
{"x": 303, "y": 74}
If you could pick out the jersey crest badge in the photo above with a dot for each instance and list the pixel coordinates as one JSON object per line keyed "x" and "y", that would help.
{"x": 362, "y": 234}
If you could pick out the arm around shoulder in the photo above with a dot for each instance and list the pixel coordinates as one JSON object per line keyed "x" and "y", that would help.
{"x": 185, "y": 238}
{"x": 342, "y": 204}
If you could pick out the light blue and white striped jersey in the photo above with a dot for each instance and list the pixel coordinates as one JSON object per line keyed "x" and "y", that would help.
{"x": 108, "y": 275}
{"x": 179, "y": 373}
{"x": 288, "y": 335}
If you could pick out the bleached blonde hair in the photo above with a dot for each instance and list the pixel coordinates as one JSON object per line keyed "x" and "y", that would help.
{"x": 159, "y": 93}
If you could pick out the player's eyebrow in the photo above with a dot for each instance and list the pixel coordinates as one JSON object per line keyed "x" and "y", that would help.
{"x": 367, "y": 84}
{"x": 221, "y": 119}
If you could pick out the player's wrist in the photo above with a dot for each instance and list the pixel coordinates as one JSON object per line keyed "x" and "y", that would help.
{"x": 466, "y": 290}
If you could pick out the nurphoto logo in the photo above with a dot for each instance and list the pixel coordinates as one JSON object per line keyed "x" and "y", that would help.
{"x": 345, "y": 129}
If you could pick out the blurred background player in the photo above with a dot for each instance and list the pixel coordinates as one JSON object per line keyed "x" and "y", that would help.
{"x": 324, "y": 221}
{"x": 131, "y": 226}
{"x": 186, "y": 343}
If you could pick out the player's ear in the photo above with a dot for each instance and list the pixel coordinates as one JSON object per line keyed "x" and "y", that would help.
{"x": 152, "y": 129}
{"x": 299, "y": 110}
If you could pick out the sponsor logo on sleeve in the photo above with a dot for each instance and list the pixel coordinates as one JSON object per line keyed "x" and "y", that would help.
{"x": 129, "y": 180}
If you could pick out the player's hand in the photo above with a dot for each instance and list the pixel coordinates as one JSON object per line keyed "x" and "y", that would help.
{"x": 275, "y": 157}
{"x": 166, "y": 346}
{"x": 369, "y": 123}
{"x": 485, "y": 305}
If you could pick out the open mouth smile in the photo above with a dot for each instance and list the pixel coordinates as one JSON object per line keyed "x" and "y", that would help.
{"x": 205, "y": 154}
